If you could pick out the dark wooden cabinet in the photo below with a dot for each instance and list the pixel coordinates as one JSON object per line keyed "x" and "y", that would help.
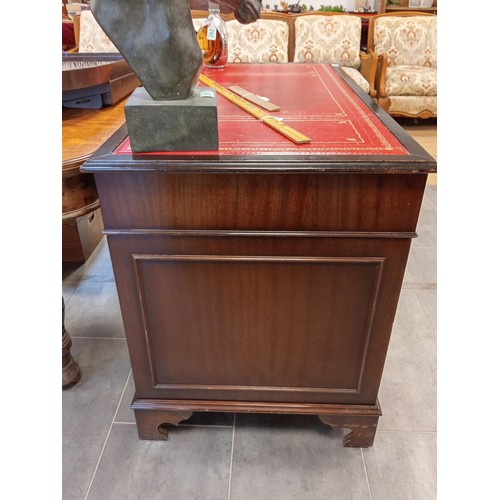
{"x": 264, "y": 282}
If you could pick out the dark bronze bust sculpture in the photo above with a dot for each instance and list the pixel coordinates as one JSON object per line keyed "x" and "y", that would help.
{"x": 157, "y": 39}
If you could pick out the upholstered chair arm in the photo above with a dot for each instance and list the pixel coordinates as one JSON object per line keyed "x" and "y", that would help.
{"x": 368, "y": 69}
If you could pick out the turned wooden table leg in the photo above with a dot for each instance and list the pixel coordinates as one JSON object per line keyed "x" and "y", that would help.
{"x": 70, "y": 369}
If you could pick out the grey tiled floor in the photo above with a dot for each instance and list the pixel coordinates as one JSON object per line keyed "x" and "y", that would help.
{"x": 254, "y": 457}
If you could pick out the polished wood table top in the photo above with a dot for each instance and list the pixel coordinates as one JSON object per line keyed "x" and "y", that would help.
{"x": 85, "y": 130}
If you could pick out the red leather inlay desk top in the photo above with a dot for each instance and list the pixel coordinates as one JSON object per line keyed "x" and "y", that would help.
{"x": 314, "y": 100}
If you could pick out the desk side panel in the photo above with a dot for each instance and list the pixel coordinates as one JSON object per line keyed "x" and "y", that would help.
{"x": 258, "y": 318}
{"x": 261, "y": 202}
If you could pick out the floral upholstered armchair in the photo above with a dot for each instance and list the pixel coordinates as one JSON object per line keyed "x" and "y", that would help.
{"x": 264, "y": 41}
{"x": 335, "y": 38}
{"x": 406, "y": 78}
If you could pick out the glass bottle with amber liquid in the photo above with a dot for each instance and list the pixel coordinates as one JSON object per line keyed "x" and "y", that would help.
{"x": 212, "y": 38}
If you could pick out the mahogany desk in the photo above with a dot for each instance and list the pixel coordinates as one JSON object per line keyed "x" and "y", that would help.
{"x": 265, "y": 276}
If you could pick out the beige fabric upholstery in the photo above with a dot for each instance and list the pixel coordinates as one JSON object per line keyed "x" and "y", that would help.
{"x": 409, "y": 105}
{"x": 92, "y": 37}
{"x": 411, "y": 80}
{"x": 358, "y": 78}
{"x": 407, "y": 40}
{"x": 264, "y": 41}
{"x": 410, "y": 47}
{"x": 328, "y": 39}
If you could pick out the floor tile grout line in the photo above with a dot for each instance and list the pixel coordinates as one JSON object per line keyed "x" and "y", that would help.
{"x": 425, "y": 312}
{"x": 67, "y": 297}
{"x": 417, "y": 286}
{"x": 231, "y": 461}
{"x": 122, "y": 394}
{"x": 107, "y": 435}
{"x": 431, "y": 202}
{"x": 366, "y": 474}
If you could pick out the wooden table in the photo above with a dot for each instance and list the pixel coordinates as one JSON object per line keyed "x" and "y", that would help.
{"x": 83, "y": 132}
{"x": 265, "y": 276}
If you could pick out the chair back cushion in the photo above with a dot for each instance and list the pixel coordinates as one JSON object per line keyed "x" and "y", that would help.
{"x": 409, "y": 40}
{"x": 92, "y": 37}
{"x": 328, "y": 39}
{"x": 264, "y": 41}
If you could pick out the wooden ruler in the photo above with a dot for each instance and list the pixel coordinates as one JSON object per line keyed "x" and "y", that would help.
{"x": 269, "y": 120}
{"x": 254, "y": 98}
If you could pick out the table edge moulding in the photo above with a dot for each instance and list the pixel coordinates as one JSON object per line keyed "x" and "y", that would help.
{"x": 257, "y": 281}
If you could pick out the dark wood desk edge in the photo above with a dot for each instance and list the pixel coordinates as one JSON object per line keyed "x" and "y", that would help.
{"x": 104, "y": 160}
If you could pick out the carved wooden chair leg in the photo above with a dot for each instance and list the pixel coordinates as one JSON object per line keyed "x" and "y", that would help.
{"x": 363, "y": 429}
{"x": 155, "y": 424}
{"x": 70, "y": 370}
